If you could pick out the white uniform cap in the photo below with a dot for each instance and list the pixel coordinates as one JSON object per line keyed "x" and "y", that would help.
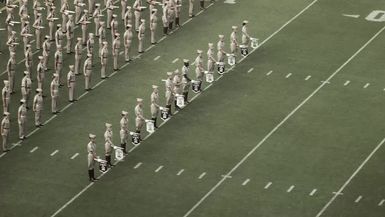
{"x": 199, "y": 51}
{"x": 128, "y": 25}
{"x": 128, "y": 7}
{"x": 169, "y": 73}
{"x": 91, "y": 34}
{"x": 154, "y": 10}
{"x": 29, "y": 45}
{"x": 221, "y": 36}
{"x": 53, "y": 7}
{"x": 89, "y": 55}
{"x": 114, "y": 15}
{"x": 101, "y": 22}
{"x": 58, "y": 25}
{"x": 26, "y": 22}
{"x": 176, "y": 71}
{"x": 38, "y": 14}
{"x": 139, "y": 100}
{"x": 234, "y": 27}
{"x": 211, "y": 44}
{"x": 91, "y": 136}
{"x": 6, "y": 113}
{"x": 97, "y": 4}
{"x": 108, "y": 125}
{"x": 117, "y": 34}
{"x": 124, "y": 113}
{"x": 23, "y": 100}
{"x": 70, "y": 16}
{"x": 72, "y": 67}
{"x": 85, "y": 11}
{"x": 46, "y": 37}
{"x": 79, "y": 38}
{"x": 56, "y": 75}
{"x": 142, "y": 20}
{"x": 186, "y": 60}
{"x": 39, "y": 90}
{"x": 13, "y": 32}
{"x": 154, "y": 86}
{"x": 40, "y": 57}
{"x": 105, "y": 42}
{"x": 6, "y": 82}
{"x": 26, "y": 73}
{"x": 245, "y": 21}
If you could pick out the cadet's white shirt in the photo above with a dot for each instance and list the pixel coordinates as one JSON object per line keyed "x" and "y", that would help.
{"x": 26, "y": 82}
{"x": 198, "y": 61}
{"x": 124, "y": 123}
{"x": 233, "y": 37}
{"x": 38, "y": 102}
{"x": 21, "y": 113}
{"x": 142, "y": 28}
{"x": 220, "y": 45}
{"x": 108, "y": 136}
{"x": 91, "y": 147}
{"x": 139, "y": 112}
{"x": 127, "y": 36}
{"x": 155, "y": 98}
{"x": 6, "y": 93}
{"x": 185, "y": 70}
{"x": 54, "y": 87}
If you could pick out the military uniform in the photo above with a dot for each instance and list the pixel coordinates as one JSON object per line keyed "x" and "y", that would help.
{"x": 124, "y": 131}
{"x": 115, "y": 50}
{"x": 169, "y": 91}
{"x": 139, "y": 120}
{"x": 46, "y": 50}
{"x": 11, "y": 65}
{"x": 97, "y": 14}
{"x": 90, "y": 46}
{"x": 51, "y": 19}
{"x": 177, "y": 12}
{"x": 40, "y": 74}
{"x": 28, "y": 58}
{"x": 59, "y": 36}
{"x": 26, "y": 85}
{"x": 127, "y": 37}
{"x": 78, "y": 55}
{"x": 153, "y": 24}
{"x": 22, "y": 119}
{"x": 114, "y": 26}
{"x": 37, "y": 107}
{"x": 38, "y": 24}
{"x": 59, "y": 61}
{"x": 178, "y": 86}
{"x": 142, "y": 29}
{"x": 186, "y": 81}
{"x": 245, "y": 35}
{"x": 128, "y": 16}
{"x": 87, "y": 71}
{"x": 110, "y": 11}
{"x": 70, "y": 32}
{"x": 233, "y": 40}
{"x": 199, "y": 70}
{"x": 103, "y": 59}
{"x": 71, "y": 79}
{"x": 78, "y": 9}
{"x": 6, "y": 96}
{"x": 138, "y": 12}
{"x": 102, "y": 36}
{"x": 25, "y": 33}
{"x": 123, "y": 8}
{"x": 191, "y": 8}
{"x": 210, "y": 58}
{"x": 91, "y": 149}
{"x": 155, "y": 105}
{"x": 84, "y": 21}
{"x": 220, "y": 47}
{"x": 54, "y": 93}
{"x": 108, "y": 144}
{"x": 5, "y": 125}
{"x": 64, "y": 14}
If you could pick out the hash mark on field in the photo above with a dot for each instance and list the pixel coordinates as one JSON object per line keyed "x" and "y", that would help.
{"x": 308, "y": 77}
{"x": 245, "y": 182}
{"x": 250, "y": 70}
{"x": 381, "y": 202}
{"x": 55, "y": 152}
{"x": 180, "y": 172}
{"x": 34, "y": 149}
{"x": 351, "y": 15}
{"x": 176, "y": 60}
{"x": 358, "y": 199}
{"x": 366, "y": 85}
{"x": 138, "y": 165}
{"x": 269, "y": 73}
{"x": 313, "y": 192}
{"x": 202, "y": 175}
{"x": 156, "y": 58}
{"x": 347, "y": 83}
{"x": 159, "y": 168}
{"x": 74, "y": 156}
{"x": 290, "y": 189}
{"x": 288, "y": 75}
{"x": 268, "y": 185}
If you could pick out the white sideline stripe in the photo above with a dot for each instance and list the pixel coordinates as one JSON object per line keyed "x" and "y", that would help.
{"x": 156, "y": 58}
{"x": 208, "y": 86}
{"x": 250, "y": 70}
{"x": 288, "y": 75}
{"x": 199, "y": 13}
{"x": 55, "y": 152}
{"x": 81, "y": 96}
{"x": 33, "y": 131}
{"x": 123, "y": 66}
{"x": 313, "y": 192}
{"x": 99, "y": 83}
{"x": 358, "y": 199}
{"x": 180, "y": 172}
{"x": 4, "y": 153}
{"x": 366, "y": 85}
{"x": 346, "y": 83}
{"x": 137, "y": 165}
{"x": 381, "y": 202}
{"x": 50, "y": 119}
{"x": 351, "y": 177}
{"x": 66, "y": 107}
{"x": 308, "y": 77}
{"x": 290, "y": 189}
{"x": 289, "y": 115}
{"x": 112, "y": 74}
{"x": 202, "y": 175}
{"x": 187, "y": 21}
{"x": 245, "y": 182}
{"x": 175, "y": 60}
{"x": 269, "y": 73}
{"x": 161, "y": 39}
{"x": 159, "y": 168}
{"x": 34, "y": 149}
{"x": 268, "y": 185}
{"x": 74, "y": 156}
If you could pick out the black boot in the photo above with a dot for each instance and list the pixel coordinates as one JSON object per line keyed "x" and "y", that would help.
{"x": 165, "y": 30}
{"x": 108, "y": 159}
{"x": 154, "y": 119}
{"x": 185, "y": 95}
{"x": 177, "y": 22}
{"x": 202, "y": 3}
{"x": 170, "y": 26}
{"x": 176, "y": 106}
{"x": 124, "y": 148}
{"x": 93, "y": 175}
{"x": 169, "y": 110}
{"x": 90, "y": 176}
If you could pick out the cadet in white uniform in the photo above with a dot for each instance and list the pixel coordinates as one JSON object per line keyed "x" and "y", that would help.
{"x": 78, "y": 9}
{"x": 233, "y": 40}
{"x": 22, "y": 119}
{"x": 97, "y": 15}
{"x": 139, "y": 120}
{"x": 220, "y": 47}
{"x": 177, "y": 12}
{"x": 25, "y": 33}
{"x": 127, "y": 42}
{"x": 59, "y": 62}
{"x": 59, "y": 36}
{"x": 169, "y": 91}
{"x": 54, "y": 93}
{"x": 155, "y": 104}
{"x": 171, "y": 13}
{"x": 102, "y": 36}
{"x": 51, "y": 19}
{"x": 91, "y": 149}
{"x": 87, "y": 71}
{"x": 165, "y": 23}
{"x": 37, "y": 106}
{"x": 153, "y": 24}
{"x": 178, "y": 86}
{"x": 40, "y": 74}
{"x": 84, "y": 21}
{"x": 26, "y": 85}
{"x": 90, "y": 46}
{"x": 110, "y": 11}
{"x": 5, "y": 124}
{"x": 71, "y": 79}
{"x": 108, "y": 144}
{"x": 142, "y": 29}
{"x": 28, "y": 58}
{"x": 114, "y": 26}
{"x": 186, "y": 81}
{"x": 124, "y": 131}
{"x": 138, "y": 12}
{"x": 191, "y": 8}
{"x": 115, "y": 50}
{"x": 103, "y": 59}
{"x": 210, "y": 58}
{"x": 199, "y": 70}
{"x": 123, "y": 8}
{"x": 128, "y": 16}
{"x": 6, "y": 96}
{"x": 78, "y": 55}
{"x": 46, "y": 50}
{"x": 11, "y": 65}
{"x": 245, "y": 36}
{"x": 64, "y": 14}
{"x": 38, "y": 24}
{"x": 70, "y": 32}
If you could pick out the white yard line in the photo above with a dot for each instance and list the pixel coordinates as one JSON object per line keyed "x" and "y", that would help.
{"x": 34, "y": 149}
{"x": 269, "y": 73}
{"x": 250, "y": 70}
{"x": 350, "y": 178}
{"x": 358, "y": 199}
{"x": 290, "y": 189}
{"x": 313, "y": 192}
{"x": 346, "y": 83}
{"x": 202, "y": 175}
{"x": 268, "y": 185}
{"x": 175, "y": 60}
{"x": 366, "y": 85}
{"x": 381, "y": 202}
{"x": 33, "y": 131}
{"x": 308, "y": 77}
{"x": 55, "y": 152}
{"x": 74, "y": 156}
{"x": 288, "y": 75}
{"x": 159, "y": 168}
{"x": 245, "y": 182}
{"x": 156, "y": 58}
{"x": 180, "y": 172}
{"x": 138, "y": 165}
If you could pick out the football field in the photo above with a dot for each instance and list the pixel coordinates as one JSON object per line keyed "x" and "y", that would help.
{"x": 294, "y": 129}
